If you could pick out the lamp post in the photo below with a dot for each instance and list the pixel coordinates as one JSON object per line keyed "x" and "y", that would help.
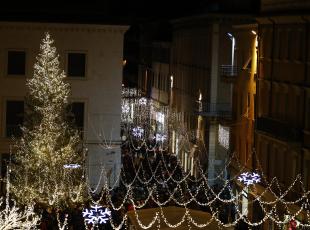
{"x": 233, "y": 44}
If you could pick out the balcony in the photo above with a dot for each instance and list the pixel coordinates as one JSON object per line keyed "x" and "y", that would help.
{"x": 278, "y": 129}
{"x": 307, "y": 139}
{"x": 281, "y": 5}
{"x": 216, "y": 110}
{"x": 228, "y": 72}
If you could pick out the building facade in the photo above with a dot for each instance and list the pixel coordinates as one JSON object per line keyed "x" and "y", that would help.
{"x": 271, "y": 98}
{"x": 282, "y": 123}
{"x": 203, "y": 65}
{"x": 244, "y": 94}
{"x": 91, "y": 56}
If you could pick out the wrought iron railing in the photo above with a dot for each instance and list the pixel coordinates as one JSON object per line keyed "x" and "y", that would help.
{"x": 215, "y": 109}
{"x": 228, "y": 70}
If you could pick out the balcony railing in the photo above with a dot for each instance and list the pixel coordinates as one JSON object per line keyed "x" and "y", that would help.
{"x": 228, "y": 71}
{"x": 279, "y": 129}
{"x": 223, "y": 110}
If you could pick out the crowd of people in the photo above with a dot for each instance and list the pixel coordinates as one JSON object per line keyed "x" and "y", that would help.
{"x": 146, "y": 170}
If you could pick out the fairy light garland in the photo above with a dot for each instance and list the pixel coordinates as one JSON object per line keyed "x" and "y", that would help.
{"x": 171, "y": 197}
{"x": 147, "y": 136}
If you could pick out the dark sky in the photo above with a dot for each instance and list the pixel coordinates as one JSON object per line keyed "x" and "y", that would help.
{"x": 118, "y": 11}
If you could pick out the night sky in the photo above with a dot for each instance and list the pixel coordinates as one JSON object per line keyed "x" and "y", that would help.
{"x": 118, "y": 11}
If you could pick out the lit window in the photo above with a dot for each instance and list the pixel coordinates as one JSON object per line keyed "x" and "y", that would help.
{"x": 16, "y": 63}
{"x": 76, "y": 64}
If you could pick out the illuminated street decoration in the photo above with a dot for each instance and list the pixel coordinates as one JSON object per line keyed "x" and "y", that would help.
{"x": 160, "y": 137}
{"x": 72, "y": 166}
{"x": 38, "y": 177}
{"x": 125, "y": 108}
{"x": 142, "y": 101}
{"x": 160, "y": 117}
{"x": 249, "y": 178}
{"x": 96, "y": 215}
{"x": 138, "y": 132}
{"x": 223, "y": 137}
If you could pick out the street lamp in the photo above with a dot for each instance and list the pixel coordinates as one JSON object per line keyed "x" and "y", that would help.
{"x": 233, "y": 43}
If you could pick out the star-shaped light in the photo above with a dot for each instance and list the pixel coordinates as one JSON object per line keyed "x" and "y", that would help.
{"x": 248, "y": 178}
{"x": 96, "y": 215}
{"x": 138, "y": 132}
{"x": 160, "y": 137}
{"x": 142, "y": 101}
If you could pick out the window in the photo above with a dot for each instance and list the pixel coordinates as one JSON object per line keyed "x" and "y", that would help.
{"x": 307, "y": 173}
{"x": 5, "y": 159}
{"x": 76, "y": 64}
{"x": 289, "y": 44}
{"x": 14, "y": 118}
{"x": 16, "y": 63}
{"x": 307, "y": 112}
{"x": 76, "y": 114}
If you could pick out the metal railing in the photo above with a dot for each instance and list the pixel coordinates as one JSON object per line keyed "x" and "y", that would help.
{"x": 215, "y": 109}
{"x": 228, "y": 70}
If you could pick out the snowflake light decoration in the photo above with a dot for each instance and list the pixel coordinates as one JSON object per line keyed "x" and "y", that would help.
{"x": 96, "y": 215}
{"x": 142, "y": 101}
{"x": 160, "y": 137}
{"x": 72, "y": 166}
{"x": 248, "y": 178}
{"x": 138, "y": 132}
{"x": 125, "y": 108}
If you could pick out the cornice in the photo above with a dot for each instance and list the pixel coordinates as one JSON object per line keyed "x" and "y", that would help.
{"x": 65, "y": 27}
{"x": 283, "y": 19}
{"x": 209, "y": 19}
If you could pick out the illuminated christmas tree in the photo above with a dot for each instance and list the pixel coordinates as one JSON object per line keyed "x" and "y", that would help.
{"x": 49, "y": 146}
{"x": 14, "y": 217}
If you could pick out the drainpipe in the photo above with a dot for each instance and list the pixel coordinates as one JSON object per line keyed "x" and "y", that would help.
{"x": 305, "y": 92}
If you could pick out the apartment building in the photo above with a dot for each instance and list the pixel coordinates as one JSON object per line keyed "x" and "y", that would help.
{"x": 244, "y": 94}
{"x": 272, "y": 98}
{"x": 283, "y": 96}
{"x": 203, "y": 66}
{"x": 92, "y": 56}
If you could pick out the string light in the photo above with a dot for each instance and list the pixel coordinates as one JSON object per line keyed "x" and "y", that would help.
{"x": 162, "y": 182}
{"x": 125, "y": 108}
{"x": 138, "y": 132}
{"x": 142, "y": 101}
{"x": 160, "y": 137}
{"x": 72, "y": 166}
